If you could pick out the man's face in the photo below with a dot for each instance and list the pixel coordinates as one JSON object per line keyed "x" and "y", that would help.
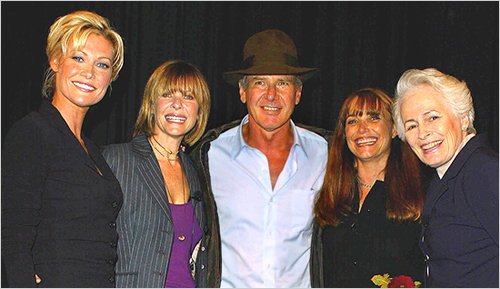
{"x": 270, "y": 99}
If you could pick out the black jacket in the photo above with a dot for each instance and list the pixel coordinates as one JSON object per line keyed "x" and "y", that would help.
{"x": 58, "y": 212}
{"x": 460, "y": 220}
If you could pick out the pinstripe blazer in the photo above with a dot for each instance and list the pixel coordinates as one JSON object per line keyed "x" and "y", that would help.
{"x": 144, "y": 223}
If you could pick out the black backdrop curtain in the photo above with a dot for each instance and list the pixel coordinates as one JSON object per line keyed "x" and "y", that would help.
{"x": 355, "y": 45}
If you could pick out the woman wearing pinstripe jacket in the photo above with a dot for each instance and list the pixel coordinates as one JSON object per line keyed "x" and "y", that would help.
{"x": 165, "y": 225}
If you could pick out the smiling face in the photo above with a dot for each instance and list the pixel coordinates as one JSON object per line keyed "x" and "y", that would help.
{"x": 83, "y": 75}
{"x": 270, "y": 99}
{"x": 368, "y": 135}
{"x": 176, "y": 114}
{"x": 432, "y": 130}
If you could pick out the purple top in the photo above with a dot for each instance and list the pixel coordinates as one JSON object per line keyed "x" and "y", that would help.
{"x": 187, "y": 233}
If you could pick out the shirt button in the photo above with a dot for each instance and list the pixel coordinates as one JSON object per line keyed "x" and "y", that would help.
{"x": 114, "y": 204}
{"x": 202, "y": 266}
{"x": 112, "y": 244}
{"x": 111, "y": 279}
{"x": 203, "y": 248}
{"x": 355, "y": 263}
{"x": 112, "y": 225}
{"x": 110, "y": 262}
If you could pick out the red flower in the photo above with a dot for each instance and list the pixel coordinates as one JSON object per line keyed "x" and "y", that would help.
{"x": 401, "y": 282}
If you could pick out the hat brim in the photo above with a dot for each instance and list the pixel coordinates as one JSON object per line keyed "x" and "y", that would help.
{"x": 303, "y": 73}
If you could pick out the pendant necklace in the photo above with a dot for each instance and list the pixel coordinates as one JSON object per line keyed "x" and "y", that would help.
{"x": 171, "y": 156}
{"x": 170, "y": 159}
{"x": 156, "y": 149}
{"x": 181, "y": 237}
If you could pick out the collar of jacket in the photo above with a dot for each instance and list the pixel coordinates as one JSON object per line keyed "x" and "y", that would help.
{"x": 437, "y": 186}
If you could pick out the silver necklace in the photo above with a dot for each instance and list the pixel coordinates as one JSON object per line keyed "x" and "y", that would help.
{"x": 363, "y": 184}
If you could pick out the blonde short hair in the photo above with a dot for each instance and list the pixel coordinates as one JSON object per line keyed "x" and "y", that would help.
{"x": 174, "y": 76}
{"x": 70, "y": 32}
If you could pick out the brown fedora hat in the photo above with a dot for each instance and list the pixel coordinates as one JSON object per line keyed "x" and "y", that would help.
{"x": 269, "y": 52}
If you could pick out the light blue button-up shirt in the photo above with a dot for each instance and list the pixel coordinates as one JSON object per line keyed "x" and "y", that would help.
{"x": 266, "y": 233}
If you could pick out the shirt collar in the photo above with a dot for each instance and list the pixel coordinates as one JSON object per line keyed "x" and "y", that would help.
{"x": 442, "y": 169}
{"x": 240, "y": 143}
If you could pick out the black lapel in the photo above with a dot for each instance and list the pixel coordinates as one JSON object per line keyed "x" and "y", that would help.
{"x": 54, "y": 117}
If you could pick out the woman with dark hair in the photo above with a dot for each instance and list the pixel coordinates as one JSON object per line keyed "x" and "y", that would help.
{"x": 368, "y": 210}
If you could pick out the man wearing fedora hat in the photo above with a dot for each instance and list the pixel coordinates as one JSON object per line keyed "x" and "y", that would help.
{"x": 264, "y": 171}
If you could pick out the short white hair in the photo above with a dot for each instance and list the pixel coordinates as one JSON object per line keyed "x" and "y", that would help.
{"x": 455, "y": 92}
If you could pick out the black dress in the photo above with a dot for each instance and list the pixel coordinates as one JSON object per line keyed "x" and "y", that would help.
{"x": 365, "y": 244}
{"x": 58, "y": 212}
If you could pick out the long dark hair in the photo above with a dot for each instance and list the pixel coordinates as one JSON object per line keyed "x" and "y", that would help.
{"x": 403, "y": 177}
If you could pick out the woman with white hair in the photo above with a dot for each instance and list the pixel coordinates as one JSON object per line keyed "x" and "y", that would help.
{"x": 434, "y": 113}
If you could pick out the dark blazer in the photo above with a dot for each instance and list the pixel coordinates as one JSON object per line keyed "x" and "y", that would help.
{"x": 460, "y": 220}
{"x": 145, "y": 223}
{"x": 58, "y": 212}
